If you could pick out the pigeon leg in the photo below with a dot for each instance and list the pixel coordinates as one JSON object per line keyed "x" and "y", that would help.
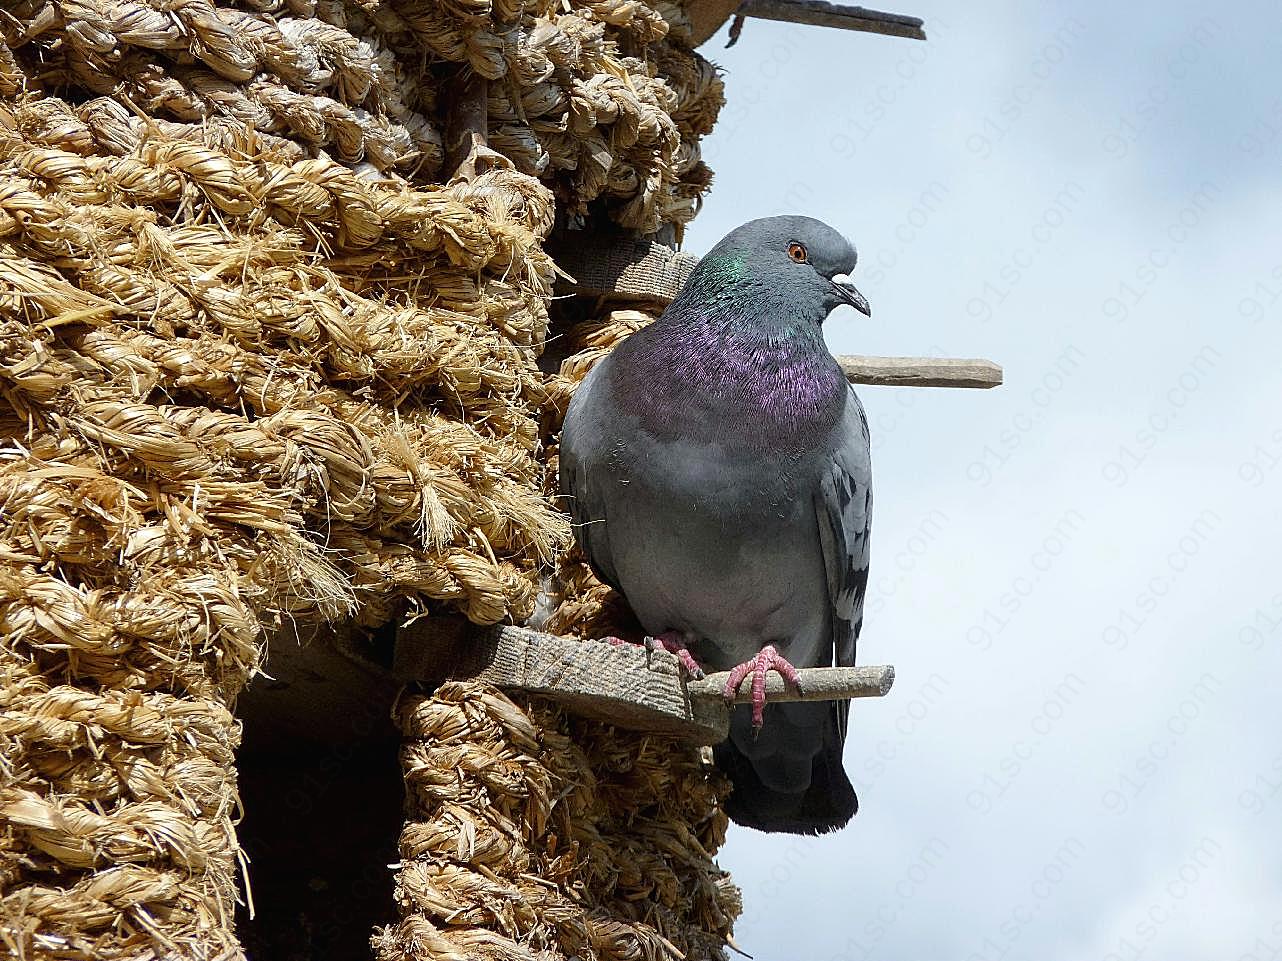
{"x": 769, "y": 659}
{"x": 671, "y": 642}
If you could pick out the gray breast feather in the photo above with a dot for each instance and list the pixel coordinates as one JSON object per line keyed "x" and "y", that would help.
{"x": 842, "y": 505}
{"x": 582, "y": 491}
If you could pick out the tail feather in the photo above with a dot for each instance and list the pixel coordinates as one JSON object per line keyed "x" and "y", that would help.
{"x": 789, "y": 777}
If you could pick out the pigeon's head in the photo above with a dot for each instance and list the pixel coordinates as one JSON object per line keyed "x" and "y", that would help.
{"x": 800, "y": 257}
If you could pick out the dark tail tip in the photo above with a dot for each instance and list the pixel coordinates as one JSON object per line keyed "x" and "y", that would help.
{"x": 827, "y": 805}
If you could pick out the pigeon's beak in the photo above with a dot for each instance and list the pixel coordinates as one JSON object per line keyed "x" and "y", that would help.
{"x": 847, "y": 292}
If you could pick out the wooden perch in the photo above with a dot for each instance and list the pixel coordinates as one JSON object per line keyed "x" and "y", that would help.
{"x": 920, "y": 371}
{"x": 625, "y": 685}
{"x": 817, "y": 684}
{"x": 822, "y": 14}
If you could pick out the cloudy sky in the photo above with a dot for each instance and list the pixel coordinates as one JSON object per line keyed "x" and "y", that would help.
{"x": 1076, "y": 575}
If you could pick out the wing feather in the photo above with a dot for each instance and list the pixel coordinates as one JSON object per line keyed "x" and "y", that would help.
{"x": 844, "y": 508}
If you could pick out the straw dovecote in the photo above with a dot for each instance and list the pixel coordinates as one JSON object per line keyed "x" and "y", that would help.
{"x": 264, "y": 366}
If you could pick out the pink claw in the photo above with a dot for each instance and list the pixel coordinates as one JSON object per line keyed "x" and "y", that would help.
{"x": 671, "y": 642}
{"x": 769, "y": 659}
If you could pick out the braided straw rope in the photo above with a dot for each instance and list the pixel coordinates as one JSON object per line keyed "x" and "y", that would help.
{"x": 194, "y": 459}
{"x": 536, "y": 835}
{"x": 255, "y": 368}
{"x": 590, "y": 100}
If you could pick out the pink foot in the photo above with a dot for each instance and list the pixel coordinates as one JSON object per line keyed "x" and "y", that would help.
{"x": 669, "y": 641}
{"x": 768, "y": 660}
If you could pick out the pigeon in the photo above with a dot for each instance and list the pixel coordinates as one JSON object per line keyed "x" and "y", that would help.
{"x": 716, "y": 466}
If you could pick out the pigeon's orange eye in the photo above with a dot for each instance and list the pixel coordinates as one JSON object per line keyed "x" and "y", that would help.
{"x": 798, "y": 252}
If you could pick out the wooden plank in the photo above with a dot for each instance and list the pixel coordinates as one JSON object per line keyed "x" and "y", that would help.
{"x": 921, "y": 371}
{"x": 628, "y": 268}
{"x": 820, "y": 13}
{"x": 707, "y": 16}
{"x": 625, "y": 685}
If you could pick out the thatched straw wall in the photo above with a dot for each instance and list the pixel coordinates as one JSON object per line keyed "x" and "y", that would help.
{"x": 261, "y": 366}
{"x": 537, "y": 835}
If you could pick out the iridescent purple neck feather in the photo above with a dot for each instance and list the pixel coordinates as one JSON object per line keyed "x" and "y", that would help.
{"x": 736, "y": 358}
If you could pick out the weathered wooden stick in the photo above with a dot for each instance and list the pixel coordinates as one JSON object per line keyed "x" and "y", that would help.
{"x": 817, "y": 684}
{"x": 465, "y": 133}
{"x": 626, "y": 685}
{"x": 822, "y": 14}
{"x": 920, "y": 371}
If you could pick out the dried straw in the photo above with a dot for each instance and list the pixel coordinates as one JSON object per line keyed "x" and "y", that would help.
{"x": 537, "y": 835}
{"x": 256, "y": 367}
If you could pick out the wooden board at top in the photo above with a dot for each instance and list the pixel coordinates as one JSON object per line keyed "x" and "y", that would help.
{"x": 707, "y": 16}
